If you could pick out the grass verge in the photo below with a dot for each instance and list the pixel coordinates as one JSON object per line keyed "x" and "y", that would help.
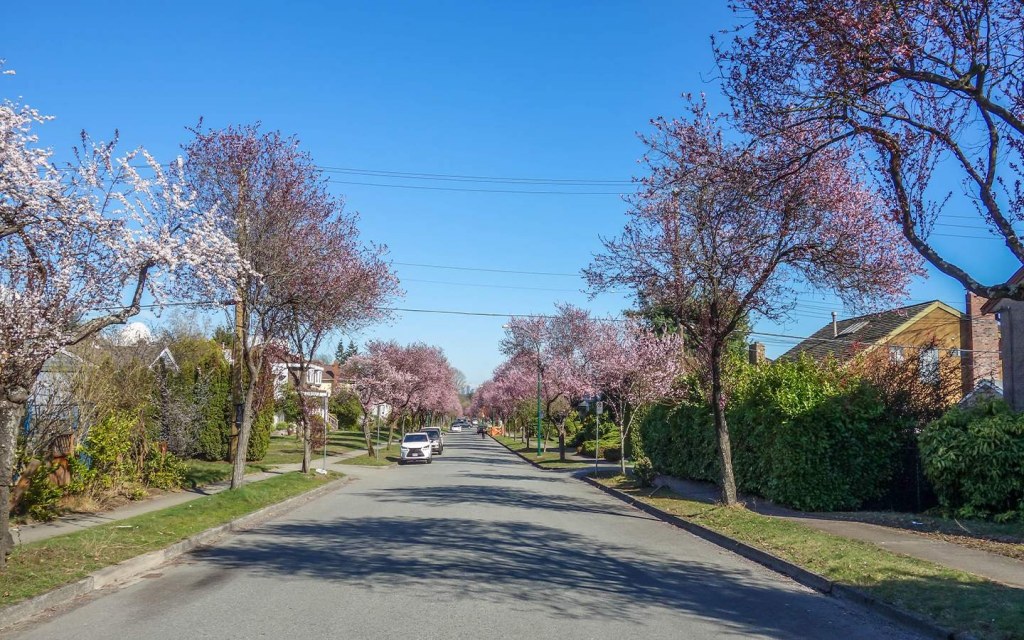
{"x": 388, "y": 456}
{"x": 199, "y": 473}
{"x": 953, "y": 599}
{"x": 288, "y": 449}
{"x": 548, "y": 459}
{"x": 36, "y": 568}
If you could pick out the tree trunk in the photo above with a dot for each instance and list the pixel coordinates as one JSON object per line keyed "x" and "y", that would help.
{"x": 12, "y": 410}
{"x": 307, "y": 450}
{"x": 622, "y": 451}
{"x": 244, "y": 431}
{"x": 561, "y": 444}
{"x": 367, "y": 437}
{"x": 728, "y": 478}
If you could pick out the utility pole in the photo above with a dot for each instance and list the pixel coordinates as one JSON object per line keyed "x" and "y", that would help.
{"x": 237, "y": 351}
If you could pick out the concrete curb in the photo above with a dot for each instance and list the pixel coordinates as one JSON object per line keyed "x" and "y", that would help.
{"x": 134, "y": 567}
{"x": 796, "y": 573}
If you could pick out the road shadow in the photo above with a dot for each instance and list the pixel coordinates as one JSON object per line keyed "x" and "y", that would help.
{"x": 513, "y": 477}
{"x": 570, "y": 575}
{"x": 446, "y": 496}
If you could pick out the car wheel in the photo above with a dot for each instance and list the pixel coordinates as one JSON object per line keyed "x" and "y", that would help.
{"x": 401, "y": 462}
{"x": 429, "y": 460}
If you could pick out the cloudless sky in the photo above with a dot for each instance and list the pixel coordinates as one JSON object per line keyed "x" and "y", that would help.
{"x": 545, "y": 90}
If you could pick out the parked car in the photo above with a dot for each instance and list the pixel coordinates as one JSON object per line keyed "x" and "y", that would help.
{"x": 416, "y": 447}
{"x": 456, "y": 428}
{"x": 436, "y": 439}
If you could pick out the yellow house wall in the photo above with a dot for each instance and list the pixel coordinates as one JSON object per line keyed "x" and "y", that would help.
{"x": 938, "y": 325}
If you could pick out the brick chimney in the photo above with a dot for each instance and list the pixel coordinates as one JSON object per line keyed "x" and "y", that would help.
{"x": 979, "y": 337}
{"x": 756, "y": 353}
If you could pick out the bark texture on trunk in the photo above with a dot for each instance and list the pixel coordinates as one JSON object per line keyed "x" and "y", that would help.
{"x": 244, "y": 431}
{"x": 561, "y": 444}
{"x": 12, "y": 410}
{"x": 728, "y": 478}
{"x": 367, "y": 437}
{"x": 307, "y": 450}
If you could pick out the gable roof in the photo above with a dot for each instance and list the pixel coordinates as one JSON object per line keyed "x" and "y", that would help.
{"x": 866, "y": 330}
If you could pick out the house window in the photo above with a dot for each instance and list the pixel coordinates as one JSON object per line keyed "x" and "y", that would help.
{"x": 896, "y": 355}
{"x": 929, "y": 361}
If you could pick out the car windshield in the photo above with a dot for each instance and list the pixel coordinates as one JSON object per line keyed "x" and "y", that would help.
{"x": 415, "y": 437}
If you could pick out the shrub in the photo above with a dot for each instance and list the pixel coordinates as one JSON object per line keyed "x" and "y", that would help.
{"x": 41, "y": 500}
{"x": 974, "y": 457}
{"x": 109, "y": 447}
{"x": 259, "y": 437}
{"x": 215, "y": 433}
{"x": 164, "y": 470}
{"x": 612, "y": 453}
{"x": 346, "y": 408}
{"x": 643, "y": 471}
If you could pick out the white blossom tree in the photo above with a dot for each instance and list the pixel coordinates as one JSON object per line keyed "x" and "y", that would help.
{"x": 80, "y": 248}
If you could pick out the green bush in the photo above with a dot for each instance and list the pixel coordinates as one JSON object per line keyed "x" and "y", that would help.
{"x": 109, "y": 447}
{"x": 643, "y": 471}
{"x": 346, "y": 408}
{"x": 612, "y": 453}
{"x": 974, "y": 457}
{"x": 41, "y": 500}
{"x": 803, "y": 434}
{"x": 215, "y": 434}
{"x": 259, "y": 437}
{"x": 164, "y": 471}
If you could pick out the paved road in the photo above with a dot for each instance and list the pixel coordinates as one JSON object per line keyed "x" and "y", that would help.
{"x": 477, "y": 545}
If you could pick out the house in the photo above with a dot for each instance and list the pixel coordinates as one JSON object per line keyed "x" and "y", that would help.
{"x": 929, "y": 331}
{"x": 1010, "y": 315}
{"x": 286, "y": 370}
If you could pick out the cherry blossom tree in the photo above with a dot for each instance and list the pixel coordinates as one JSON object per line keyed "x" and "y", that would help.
{"x": 633, "y": 367}
{"x": 721, "y": 231}
{"x": 371, "y": 378}
{"x": 80, "y": 247}
{"x": 342, "y": 285}
{"x": 929, "y": 91}
{"x": 275, "y": 206}
{"x": 556, "y": 346}
{"x": 411, "y": 379}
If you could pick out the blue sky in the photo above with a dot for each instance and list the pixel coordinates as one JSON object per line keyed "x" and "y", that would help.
{"x": 512, "y": 90}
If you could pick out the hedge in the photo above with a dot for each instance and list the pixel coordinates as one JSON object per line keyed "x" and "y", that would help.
{"x": 804, "y": 435}
{"x": 974, "y": 458}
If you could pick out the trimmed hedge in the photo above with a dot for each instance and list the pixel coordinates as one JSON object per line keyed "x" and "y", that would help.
{"x": 803, "y": 435}
{"x": 974, "y": 457}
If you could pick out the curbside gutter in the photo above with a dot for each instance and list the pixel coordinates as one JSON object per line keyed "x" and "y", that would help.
{"x": 134, "y": 567}
{"x": 796, "y": 573}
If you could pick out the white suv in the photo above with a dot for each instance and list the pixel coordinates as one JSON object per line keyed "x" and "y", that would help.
{"x": 416, "y": 448}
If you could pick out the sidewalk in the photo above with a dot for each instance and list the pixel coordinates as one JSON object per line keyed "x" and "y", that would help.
{"x": 26, "y": 534}
{"x": 993, "y": 566}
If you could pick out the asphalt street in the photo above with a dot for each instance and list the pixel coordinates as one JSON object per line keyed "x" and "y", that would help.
{"x": 477, "y": 545}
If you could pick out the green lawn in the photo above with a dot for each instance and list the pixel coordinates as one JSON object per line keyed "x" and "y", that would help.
{"x": 387, "y": 457}
{"x": 41, "y": 566}
{"x": 288, "y": 449}
{"x": 202, "y": 472}
{"x": 953, "y": 599}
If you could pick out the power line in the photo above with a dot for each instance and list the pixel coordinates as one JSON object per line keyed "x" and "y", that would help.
{"x": 454, "y": 177}
{"x": 487, "y": 270}
{"x": 466, "y": 190}
{"x": 489, "y": 286}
